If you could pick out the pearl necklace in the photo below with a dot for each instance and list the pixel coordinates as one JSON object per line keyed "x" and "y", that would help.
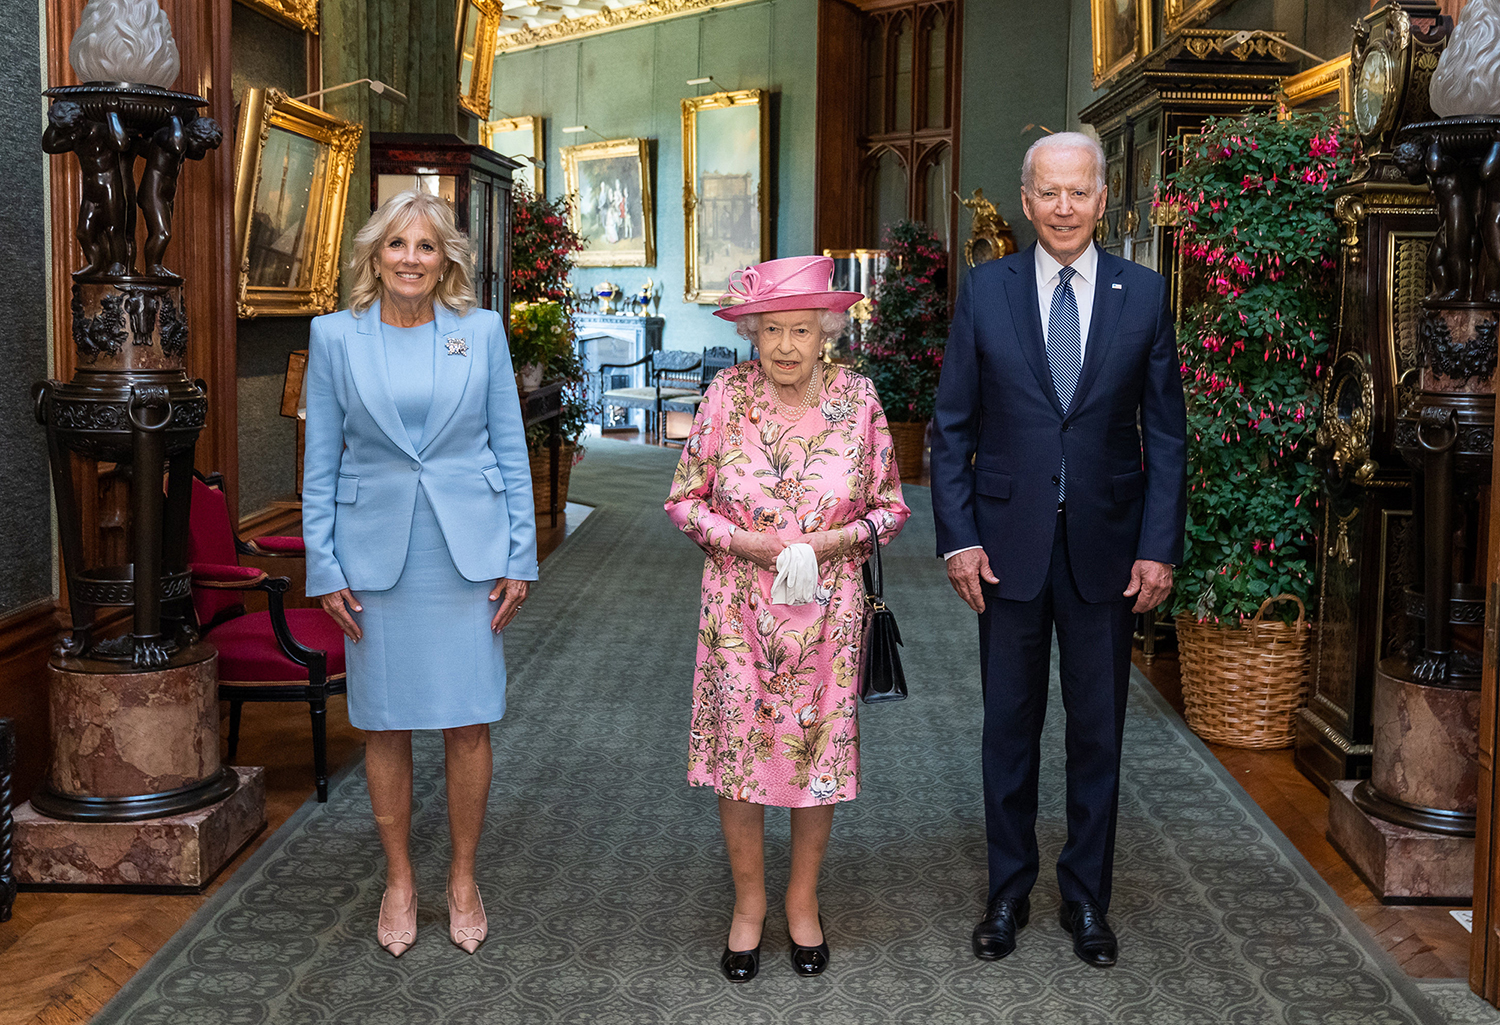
{"x": 795, "y": 413}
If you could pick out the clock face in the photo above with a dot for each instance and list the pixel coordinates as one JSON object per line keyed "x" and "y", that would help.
{"x": 1373, "y": 90}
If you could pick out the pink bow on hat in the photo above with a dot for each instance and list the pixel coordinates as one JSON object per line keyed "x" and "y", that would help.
{"x": 791, "y": 283}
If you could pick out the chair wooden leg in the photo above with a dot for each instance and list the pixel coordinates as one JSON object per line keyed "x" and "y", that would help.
{"x": 234, "y": 729}
{"x": 319, "y": 712}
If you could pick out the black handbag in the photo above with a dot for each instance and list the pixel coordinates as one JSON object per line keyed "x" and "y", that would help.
{"x": 880, "y": 675}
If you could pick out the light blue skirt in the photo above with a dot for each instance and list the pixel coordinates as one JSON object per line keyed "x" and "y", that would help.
{"x": 427, "y": 660}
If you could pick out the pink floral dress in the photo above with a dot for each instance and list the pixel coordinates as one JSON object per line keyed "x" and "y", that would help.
{"x": 775, "y": 689}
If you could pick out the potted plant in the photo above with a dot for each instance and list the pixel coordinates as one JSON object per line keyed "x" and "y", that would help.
{"x": 542, "y": 248}
{"x": 901, "y": 350}
{"x": 538, "y": 331}
{"x": 1259, "y": 242}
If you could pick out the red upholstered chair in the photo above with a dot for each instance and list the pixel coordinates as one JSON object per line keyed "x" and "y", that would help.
{"x": 281, "y": 654}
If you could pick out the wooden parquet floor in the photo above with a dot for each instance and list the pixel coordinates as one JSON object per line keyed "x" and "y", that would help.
{"x": 1426, "y": 941}
{"x": 63, "y": 955}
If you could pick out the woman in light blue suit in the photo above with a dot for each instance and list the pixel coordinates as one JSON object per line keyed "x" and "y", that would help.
{"x": 421, "y": 539}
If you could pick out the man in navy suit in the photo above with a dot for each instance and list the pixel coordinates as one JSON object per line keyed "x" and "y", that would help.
{"x": 1058, "y": 471}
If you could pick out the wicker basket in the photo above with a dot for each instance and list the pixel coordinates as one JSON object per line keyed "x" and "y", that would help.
{"x": 909, "y": 442}
{"x": 1243, "y": 685}
{"x": 541, "y": 476}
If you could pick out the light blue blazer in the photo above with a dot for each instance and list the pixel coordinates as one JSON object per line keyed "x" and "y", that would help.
{"x": 361, "y": 470}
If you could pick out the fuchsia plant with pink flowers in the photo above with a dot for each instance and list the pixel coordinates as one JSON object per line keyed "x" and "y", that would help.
{"x": 1259, "y": 243}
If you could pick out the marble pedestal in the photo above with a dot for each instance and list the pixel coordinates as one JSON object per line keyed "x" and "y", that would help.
{"x": 175, "y": 852}
{"x": 1402, "y": 865}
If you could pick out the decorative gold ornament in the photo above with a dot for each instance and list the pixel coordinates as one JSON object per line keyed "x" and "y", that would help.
{"x": 990, "y": 235}
{"x": 302, "y": 14}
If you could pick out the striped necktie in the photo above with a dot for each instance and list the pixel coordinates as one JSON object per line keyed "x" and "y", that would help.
{"x": 1064, "y": 352}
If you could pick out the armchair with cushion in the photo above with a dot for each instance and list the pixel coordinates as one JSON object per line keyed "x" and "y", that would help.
{"x": 670, "y": 373}
{"x": 720, "y": 357}
{"x": 280, "y": 654}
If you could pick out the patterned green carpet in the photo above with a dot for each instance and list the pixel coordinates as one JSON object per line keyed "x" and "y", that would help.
{"x": 608, "y": 892}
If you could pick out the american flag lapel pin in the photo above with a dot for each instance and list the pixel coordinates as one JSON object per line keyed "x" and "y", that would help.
{"x": 1114, "y": 285}
{"x": 458, "y": 347}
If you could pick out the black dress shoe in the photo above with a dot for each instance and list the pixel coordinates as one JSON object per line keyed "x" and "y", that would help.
{"x": 1093, "y": 940}
{"x": 810, "y": 960}
{"x": 995, "y": 936}
{"x": 740, "y": 965}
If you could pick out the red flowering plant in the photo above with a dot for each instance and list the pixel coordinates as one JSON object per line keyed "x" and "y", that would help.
{"x": 902, "y": 348}
{"x": 1253, "y": 202}
{"x": 541, "y": 258}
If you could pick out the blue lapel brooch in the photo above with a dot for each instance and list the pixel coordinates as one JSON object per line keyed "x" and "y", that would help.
{"x": 458, "y": 347}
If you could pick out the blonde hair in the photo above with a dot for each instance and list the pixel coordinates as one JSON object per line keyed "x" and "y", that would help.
{"x": 455, "y": 289}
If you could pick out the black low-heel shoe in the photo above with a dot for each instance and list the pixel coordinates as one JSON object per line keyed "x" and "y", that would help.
{"x": 810, "y": 960}
{"x": 740, "y": 965}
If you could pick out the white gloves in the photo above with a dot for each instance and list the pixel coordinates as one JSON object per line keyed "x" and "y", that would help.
{"x": 796, "y": 576}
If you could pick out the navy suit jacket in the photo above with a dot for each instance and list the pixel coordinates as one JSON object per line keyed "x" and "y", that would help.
{"x": 999, "y": 432}
{"x": 361, "y": 470}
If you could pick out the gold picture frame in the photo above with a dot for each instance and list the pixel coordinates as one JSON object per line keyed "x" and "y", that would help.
{"x": 726, "y": 220}
{"x": 478, "y": 29}
{"x": 1178, "y": 14}
{"x": 519, "y": 138}
{"x": 1302, "y": 89}
{"x": 1121, "y": 33}
{"x": 612, "y": 208}
{"x": 299, "y": 14}
{"x": 290, "y": 184}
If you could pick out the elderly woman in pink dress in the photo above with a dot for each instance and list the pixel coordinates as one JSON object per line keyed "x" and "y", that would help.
{"x": 787, "y": 455}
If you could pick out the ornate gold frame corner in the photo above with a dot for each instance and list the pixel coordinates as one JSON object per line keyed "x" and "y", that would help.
{"x": 489, "y": 129}
{"x": 298, "y": 14}
{"x": 477, "y": 100}
{"x": 1179, "y": 14}
{"x": 1332, "y": 75}
{"x": 260, "y": 111}
{"x": 1143, "y": 41}
{"x": 692, "y": 288}
{"x": 641, "y": 150}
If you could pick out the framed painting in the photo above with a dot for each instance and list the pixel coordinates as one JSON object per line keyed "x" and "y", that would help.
{"x": 724, "y": 161}
{"x": 291, "y": 179}
{"x": 301, "y": 14}
{"x": 610, "y": 183}
{"x": 1122, "y": 35}
{"x": 478, "y": 28}
{"x": 519, "y": 138}
{"x": 1329, "y": 84}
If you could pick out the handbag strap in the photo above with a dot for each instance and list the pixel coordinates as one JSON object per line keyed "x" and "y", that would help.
{"x": 875, "y": 582}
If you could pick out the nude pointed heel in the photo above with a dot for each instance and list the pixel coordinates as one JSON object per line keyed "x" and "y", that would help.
{"x": 397, "y": 932}
{"x": 467, "y": 937}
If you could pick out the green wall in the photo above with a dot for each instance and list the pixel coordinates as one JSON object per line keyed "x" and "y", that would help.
{"x": 1011, "y": 79}
{"x": 631, "y": 83}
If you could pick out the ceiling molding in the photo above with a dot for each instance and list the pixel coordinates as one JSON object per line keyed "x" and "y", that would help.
{"x": 557, "y": 22}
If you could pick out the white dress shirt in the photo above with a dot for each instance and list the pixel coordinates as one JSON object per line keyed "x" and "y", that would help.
{"x": 1047, "y": 280}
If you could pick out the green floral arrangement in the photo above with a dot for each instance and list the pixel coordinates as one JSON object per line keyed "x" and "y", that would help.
{"x": 902, "y": 348}
{"x": 542, "y": 307}
{"x": 538, "y": 330}
{"x": 1253, "y": 201}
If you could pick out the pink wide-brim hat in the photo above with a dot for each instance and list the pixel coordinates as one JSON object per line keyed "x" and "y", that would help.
{"x": 792, "y": 283}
